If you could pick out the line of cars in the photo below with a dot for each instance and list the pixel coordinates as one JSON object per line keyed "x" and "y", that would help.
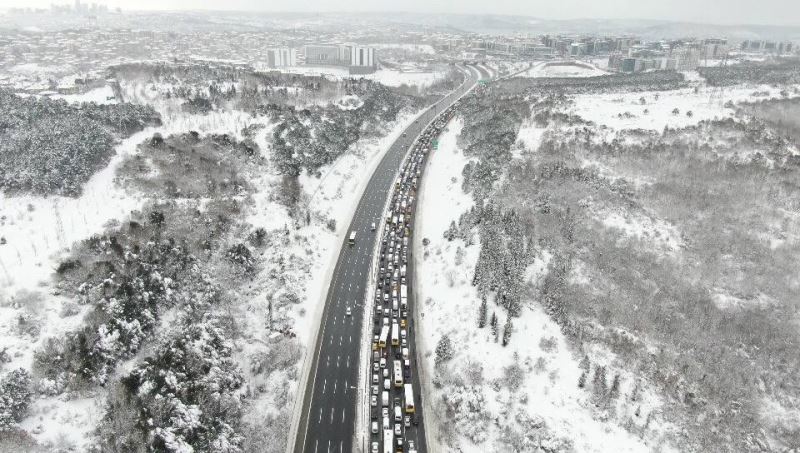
{"x": 393, "y": 409}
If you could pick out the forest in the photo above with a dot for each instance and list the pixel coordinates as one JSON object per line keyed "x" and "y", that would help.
{"x": 50, "y": 147}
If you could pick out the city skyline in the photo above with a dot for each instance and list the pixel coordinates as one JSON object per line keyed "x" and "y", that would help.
{"x": 735, "y": 12}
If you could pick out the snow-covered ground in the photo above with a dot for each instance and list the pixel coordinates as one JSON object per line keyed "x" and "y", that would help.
{"x": 654, "y": 109}
{"x": 101, "y": 95}
{"x": 561, "y": 70}
{"x": 545, "y": 404}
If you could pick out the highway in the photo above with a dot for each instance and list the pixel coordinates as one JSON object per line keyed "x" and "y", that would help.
{"x": 327, "y": 421}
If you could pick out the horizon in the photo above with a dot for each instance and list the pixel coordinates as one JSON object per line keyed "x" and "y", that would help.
{"x": 776, "y": 13}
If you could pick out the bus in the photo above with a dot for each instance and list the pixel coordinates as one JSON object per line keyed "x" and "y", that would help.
{"x": 409, "y": 399}
{"x": 395, "y": 334}
{"x": 398, "y": 373}
{"x": 352, "y": 239}
{"x": 384, "y": 334}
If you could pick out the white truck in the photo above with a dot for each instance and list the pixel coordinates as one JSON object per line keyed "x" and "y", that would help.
{"x": 388, "y": 441}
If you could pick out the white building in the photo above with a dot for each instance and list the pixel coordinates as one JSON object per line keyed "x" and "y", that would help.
{"x": 362, "y": 56}
{"x": 281, "y": 57}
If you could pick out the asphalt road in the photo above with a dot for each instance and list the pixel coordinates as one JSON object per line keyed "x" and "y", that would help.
{"x": 328, "y": 417}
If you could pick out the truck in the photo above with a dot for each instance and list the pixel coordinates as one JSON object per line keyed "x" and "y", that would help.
{"x": 404, "y": 295}
{"x": 388, "y": 441}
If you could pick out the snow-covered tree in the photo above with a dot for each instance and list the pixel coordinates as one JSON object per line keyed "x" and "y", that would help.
{"x": 15, "y": 397}
{"x": 482, "y": 313}
{"x": 444, "y": 350}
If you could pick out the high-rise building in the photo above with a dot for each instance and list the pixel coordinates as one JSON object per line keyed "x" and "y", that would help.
{"x": 281, "y": 57}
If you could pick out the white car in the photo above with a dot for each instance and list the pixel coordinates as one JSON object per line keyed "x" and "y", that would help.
{"x": 375, "y": 448}
{"x": 372, "y": 227}
{"x": 373, "y": 401}
{"x": 348, "y": 312}
{"x": 374, "y": 427}
{"x": 386, "y": 385}
{"x": 375, "y": 379}
{"x": 374, "y": 389}
{"x": 383, "y": 362}
{"x": 398, "y": 429}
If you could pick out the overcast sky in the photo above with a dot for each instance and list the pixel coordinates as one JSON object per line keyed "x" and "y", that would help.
{"x": 767, "y": 12}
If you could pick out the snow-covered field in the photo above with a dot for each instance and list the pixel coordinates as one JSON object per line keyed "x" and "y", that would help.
{"x": 655, "y": 110}
{"x": 543, "y": 403}
{"x": 561, "y": 70}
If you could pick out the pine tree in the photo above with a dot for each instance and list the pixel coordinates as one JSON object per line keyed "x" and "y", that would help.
{"x": 599, "y": 381}
{"x": 585, "y": 364}
{"x": 614, "y": 392}
{"x": 493, "y": 323}
{"x": 444, "y": 350}
{"x": 507, "y": 329}
{"x": 582, "y": 380}
{"x": 482, "y": 313}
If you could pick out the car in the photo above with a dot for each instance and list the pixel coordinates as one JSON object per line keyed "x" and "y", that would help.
{"x": 383, "y": 363}
{"x": 374, "y": 389}
{"x": 404, "y": 343}
{"x": 406, "y": 421}
{"x": 375, "y": 448}
{"x": 398, "y": 429}
{"x": 385, "y": 372}
{"x": 385, "y": 412}
{"x": 399, "y": 443}
{"x": 374, "y": 427}
{"x": 348, "y": 312}
{"x": 372, "y": 226}
{"x": 386, "y": 386}
{"x": 375, "y": 366}
{"x": 373, "y": 401}
{"x": 386, "y": 424}
{"x": 375, "y": 379}
{"x": 411, "y": 445}
{"x": 403, "y": 321}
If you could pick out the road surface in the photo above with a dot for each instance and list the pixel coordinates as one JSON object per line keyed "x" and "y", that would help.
{"x": 328, "y": 412}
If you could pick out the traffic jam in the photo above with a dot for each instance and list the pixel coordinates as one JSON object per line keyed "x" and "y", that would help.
{"x": 393, "y": 406}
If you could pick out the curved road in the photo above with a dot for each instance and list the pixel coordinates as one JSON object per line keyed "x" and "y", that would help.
{"x": 328, "y": 414}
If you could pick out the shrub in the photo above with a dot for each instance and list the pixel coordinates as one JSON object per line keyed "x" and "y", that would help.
{"x": 15, "y": 397}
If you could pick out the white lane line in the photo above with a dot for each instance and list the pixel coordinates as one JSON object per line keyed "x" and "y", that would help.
{"x": 324, "y": 385}
{"x": 331, "y": 423}
{"x": 340, "y": 340}
{"x": 343, "y": 416}
{"x": 334, "y": 387}
{"x": 316, "y": 444}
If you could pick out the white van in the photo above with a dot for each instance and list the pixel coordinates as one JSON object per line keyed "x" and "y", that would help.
{"x": 398, "y": 414}
{"x": 385, "y": 399}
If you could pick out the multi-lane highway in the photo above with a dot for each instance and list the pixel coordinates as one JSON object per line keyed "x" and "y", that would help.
{"x": 328, "y": 412}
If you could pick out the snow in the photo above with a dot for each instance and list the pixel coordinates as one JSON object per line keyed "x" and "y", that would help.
{"x": 625, "y": 111}
{"x": 449, "y": 305}
{"x": 101, "y": 95}
{"x": 565, "y": 69}
{"x": 386, "y": 76}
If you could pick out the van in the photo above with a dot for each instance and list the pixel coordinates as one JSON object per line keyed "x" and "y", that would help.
{"x": 398, "y": 414}
{"x": 405, "y": 357}
{"x": 385, "y": 399}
